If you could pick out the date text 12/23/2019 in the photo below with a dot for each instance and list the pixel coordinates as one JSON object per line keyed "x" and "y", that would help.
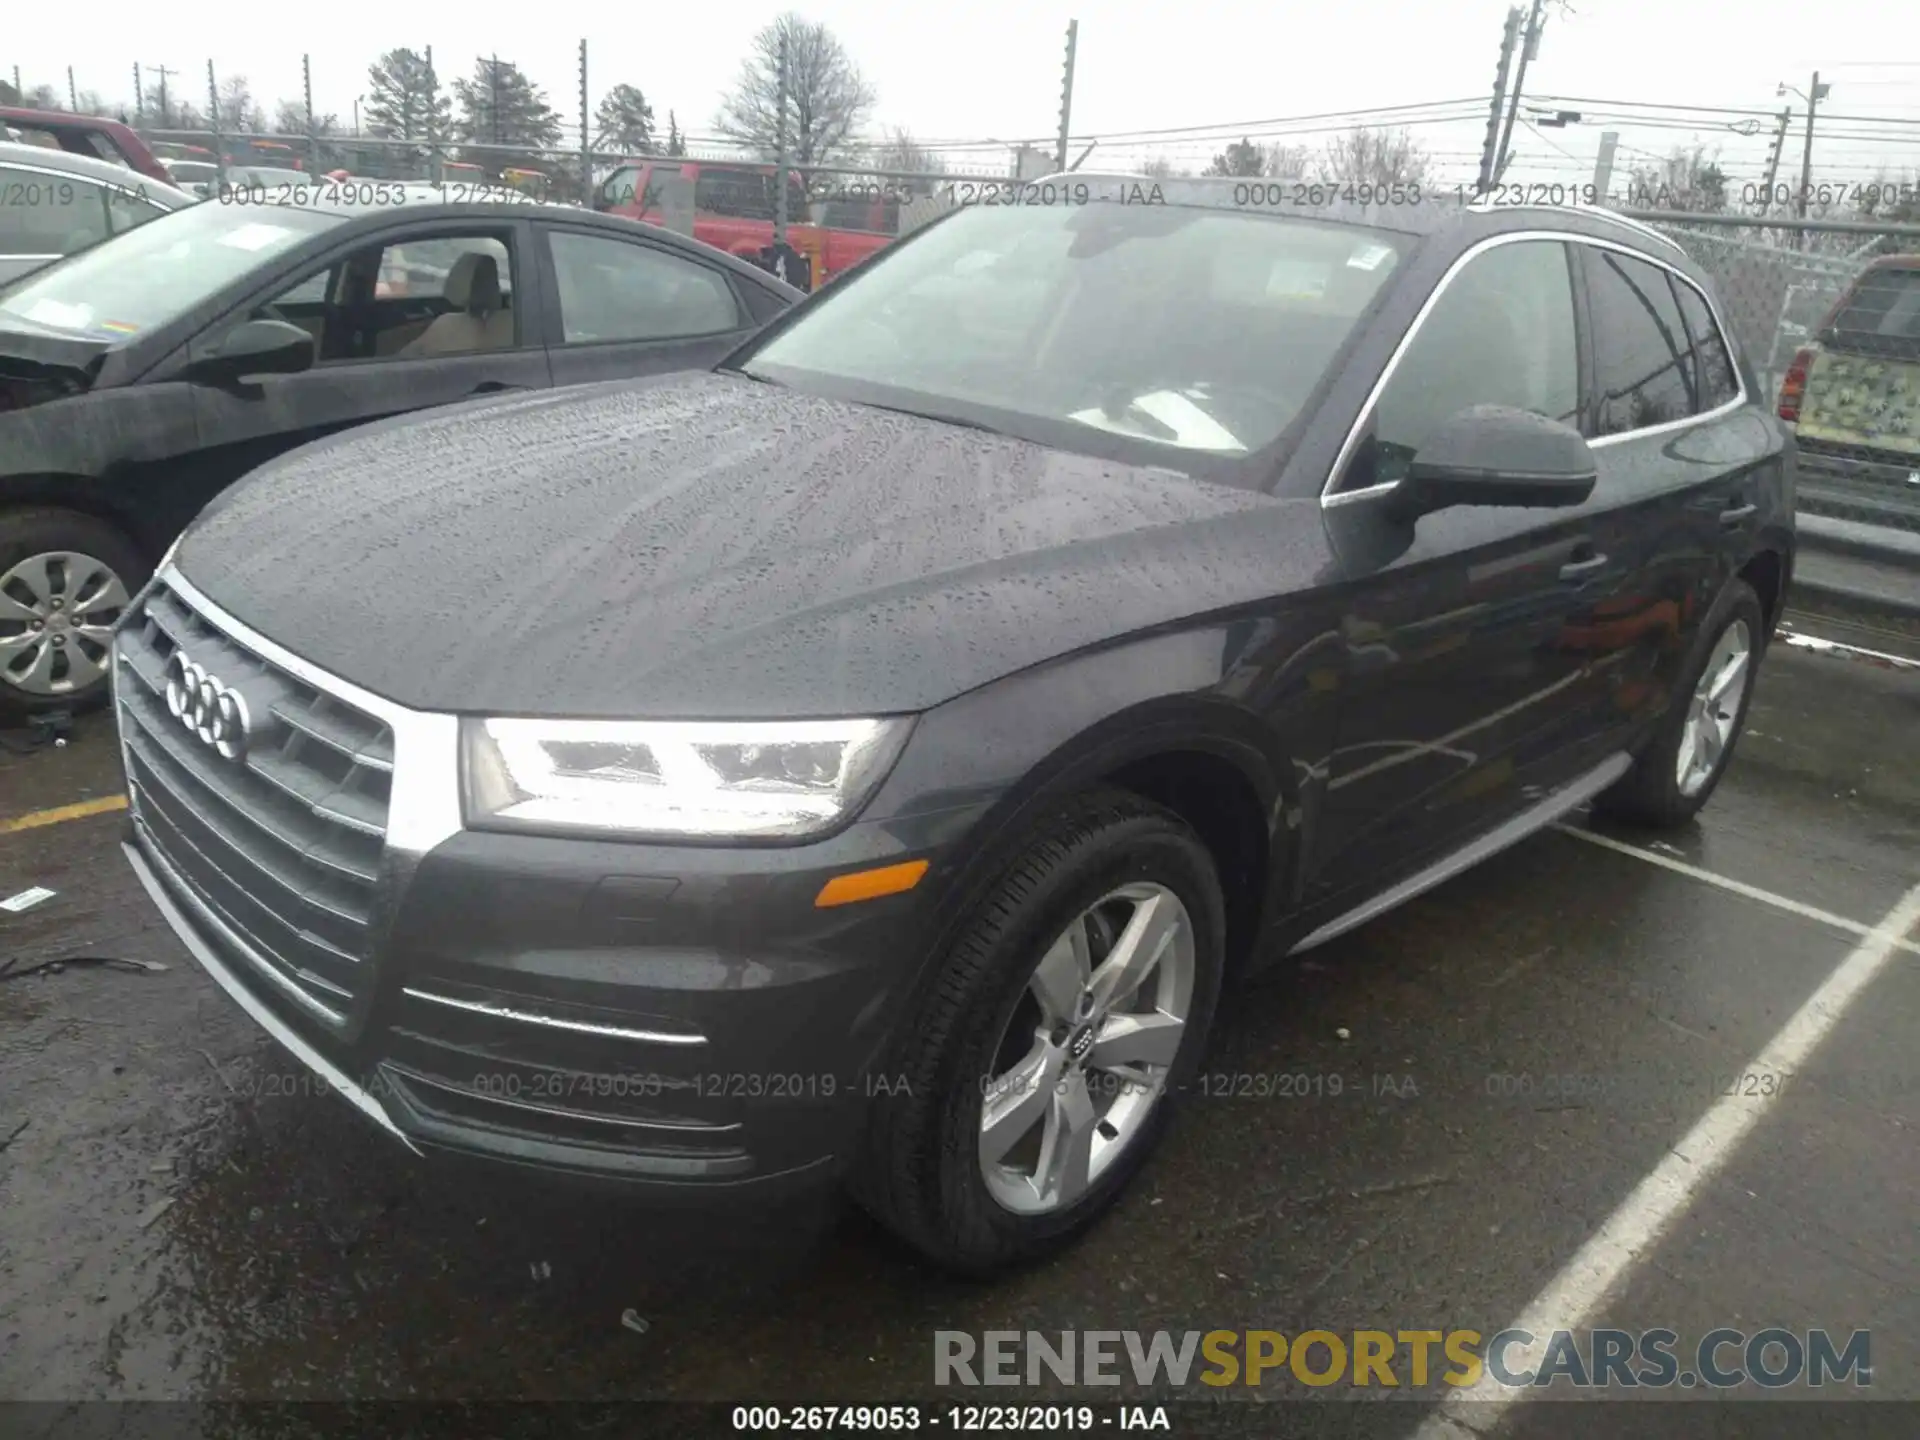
{"x": 952, "y": 1419}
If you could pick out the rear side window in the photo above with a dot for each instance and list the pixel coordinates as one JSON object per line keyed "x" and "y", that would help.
{"x": 1712, "y": 361}
{"x": 49, "y": 214}
{"x": 1641, "y": 356}
{"x": 1881, "y": 315}
{"x": 1501, "y": 333}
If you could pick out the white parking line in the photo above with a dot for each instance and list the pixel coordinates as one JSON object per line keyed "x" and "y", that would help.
{"x": 1737, "y": 887}
{"x": 1632, "y": 1231}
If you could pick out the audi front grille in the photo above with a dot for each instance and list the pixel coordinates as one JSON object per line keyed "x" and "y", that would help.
{"x": 258, "y": 794}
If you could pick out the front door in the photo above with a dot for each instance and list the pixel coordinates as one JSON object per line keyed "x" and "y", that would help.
{"x": 1460, "y": 688}
{"x": 416, "y": 318}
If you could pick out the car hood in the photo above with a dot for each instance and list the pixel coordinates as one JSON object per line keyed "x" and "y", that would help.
{"x": 706, "y": 545}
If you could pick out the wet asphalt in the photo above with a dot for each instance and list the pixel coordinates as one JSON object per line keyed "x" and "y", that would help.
{"x": 180, "y": 1217}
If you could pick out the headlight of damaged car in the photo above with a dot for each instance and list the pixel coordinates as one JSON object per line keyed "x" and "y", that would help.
{"x": 675, "y": 780}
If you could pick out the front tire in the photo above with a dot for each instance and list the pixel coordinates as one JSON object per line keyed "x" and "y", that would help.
{"x": 1046, "y": 1056}
{"x": 64, "y": 579}
{"x": 1682, "y": 764}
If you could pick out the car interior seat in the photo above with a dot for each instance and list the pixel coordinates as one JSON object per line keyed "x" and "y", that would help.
{"x": 477, "y": 321}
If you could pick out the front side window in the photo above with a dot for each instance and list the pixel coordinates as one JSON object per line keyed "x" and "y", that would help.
{"x": 1641, "y": 356}
{"x": 617, "y": 290}
{"x": 49, "y": 214}
{"x": 1501, "y": 333}
{"x": 1713, "y": 369}
{"x": 1160, "y": 334}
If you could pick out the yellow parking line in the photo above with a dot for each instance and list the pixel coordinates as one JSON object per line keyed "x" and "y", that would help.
{"x": 79, "y": 810}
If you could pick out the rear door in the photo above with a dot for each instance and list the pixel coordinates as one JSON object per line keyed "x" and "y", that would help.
{"x": 1679, "y": 460}
{"x": 1460, "y": 690}
{"x": 627, "y": 307}
{"x": 369, "y": 306}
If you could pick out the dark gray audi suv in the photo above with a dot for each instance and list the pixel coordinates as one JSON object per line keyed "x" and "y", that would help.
{"x": 866, "y": 762}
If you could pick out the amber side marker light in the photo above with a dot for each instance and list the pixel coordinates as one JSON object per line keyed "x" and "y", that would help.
{"x": 870, "y": 884}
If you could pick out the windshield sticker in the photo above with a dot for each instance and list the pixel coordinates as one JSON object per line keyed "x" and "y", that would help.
{"x": 60, "y": 315}
{"x": 1368, "y": 257}
{"x": 254, "y": 237}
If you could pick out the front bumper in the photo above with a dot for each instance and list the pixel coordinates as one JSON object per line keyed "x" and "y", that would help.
{"x": 682, "y": 1018}
{"x": 690, "y": 1033}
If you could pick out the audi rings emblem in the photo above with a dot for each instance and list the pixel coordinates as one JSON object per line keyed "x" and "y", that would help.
{"x": 207, "y": 707}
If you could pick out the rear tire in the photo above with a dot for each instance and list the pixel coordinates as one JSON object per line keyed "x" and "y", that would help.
{"x": 1703, "y": 722}
{"x": 992, "y": 1031}
{"x": 56, "y": 565}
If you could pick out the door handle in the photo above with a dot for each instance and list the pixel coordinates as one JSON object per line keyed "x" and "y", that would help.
{"x": 1738, "y": 513}
{"x": 1581, "y": 569}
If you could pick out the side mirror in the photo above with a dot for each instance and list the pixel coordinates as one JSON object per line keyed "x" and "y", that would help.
{"x": 254, "y": 347}
{"x": 1497, "y": 455}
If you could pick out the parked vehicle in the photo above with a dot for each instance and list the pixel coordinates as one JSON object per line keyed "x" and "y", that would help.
{"x": 139, "y": 379}
{"x": 869, "y": 760}
{"x": 733, "y": 209}
{"x": 196, "y": 177}
{"x": 53, "y": 204}
{"x": 1852, "y": 397}
{"x": 93, "y": 136}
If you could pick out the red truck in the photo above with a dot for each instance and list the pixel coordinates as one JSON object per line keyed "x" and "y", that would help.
{"x": 733, "y": 210}
{"x": 93, "y": 135}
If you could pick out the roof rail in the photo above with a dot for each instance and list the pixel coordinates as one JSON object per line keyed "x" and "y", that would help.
{"x": 1639, "y": 227}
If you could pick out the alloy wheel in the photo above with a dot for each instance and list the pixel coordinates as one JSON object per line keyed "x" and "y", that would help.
{"x": 1714, "y": 709}
{"x": 57, "y": 611}
{"x": 1086, "y": 1053}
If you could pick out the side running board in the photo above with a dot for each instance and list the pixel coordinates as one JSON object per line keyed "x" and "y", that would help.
{"x": 1535, "y": 817}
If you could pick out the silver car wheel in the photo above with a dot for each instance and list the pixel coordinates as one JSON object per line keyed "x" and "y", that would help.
{"x": 1714, "y": 709}
{"x": 1086, "y": 1054}
{"x": 56, "y": 622}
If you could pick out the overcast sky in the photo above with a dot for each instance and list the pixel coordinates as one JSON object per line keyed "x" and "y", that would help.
{"x": 991, "y": 69}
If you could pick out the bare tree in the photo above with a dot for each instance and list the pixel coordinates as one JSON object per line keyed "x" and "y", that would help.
{"x": 239, "y": 111}
{"x": 1688, "y": 179}
{"x": 1287, "y": 162}
{"x": 900, "y": 151}
{"x": 1365, "y": 156}
{"x": 290, "y": 118}
{"x": 828, "y": 100}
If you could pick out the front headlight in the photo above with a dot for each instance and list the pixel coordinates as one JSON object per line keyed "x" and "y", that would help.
{"x": 671, "y": 779}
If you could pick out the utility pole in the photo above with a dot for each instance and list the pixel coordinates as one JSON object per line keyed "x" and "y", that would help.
{"x": 18, "y": 94}
{"x": 139, "y": 97}
{"x": 1066, "y": 95}
{"x": 1490, "y": 148}
{"x": 493, "y": 83}
{"x": 434, "y": 172}
{"x": 1814, "y": 97}
{"x": 73, "y": 95}
{"x": 313, "y": 130}
{"x": 586, "y": 137}
{"x": 213, "y": 123}
{"x": 1603, "y": 166}
{"x": 166, "y": 115}
{"x": 1534, "y": 22}
{"x": 1773, "y": 160}
{"x": 780, "y": 150}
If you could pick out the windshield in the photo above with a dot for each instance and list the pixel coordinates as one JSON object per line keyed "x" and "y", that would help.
{"x": 1196, "y": 333}
{"x": 144, "y": 278}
